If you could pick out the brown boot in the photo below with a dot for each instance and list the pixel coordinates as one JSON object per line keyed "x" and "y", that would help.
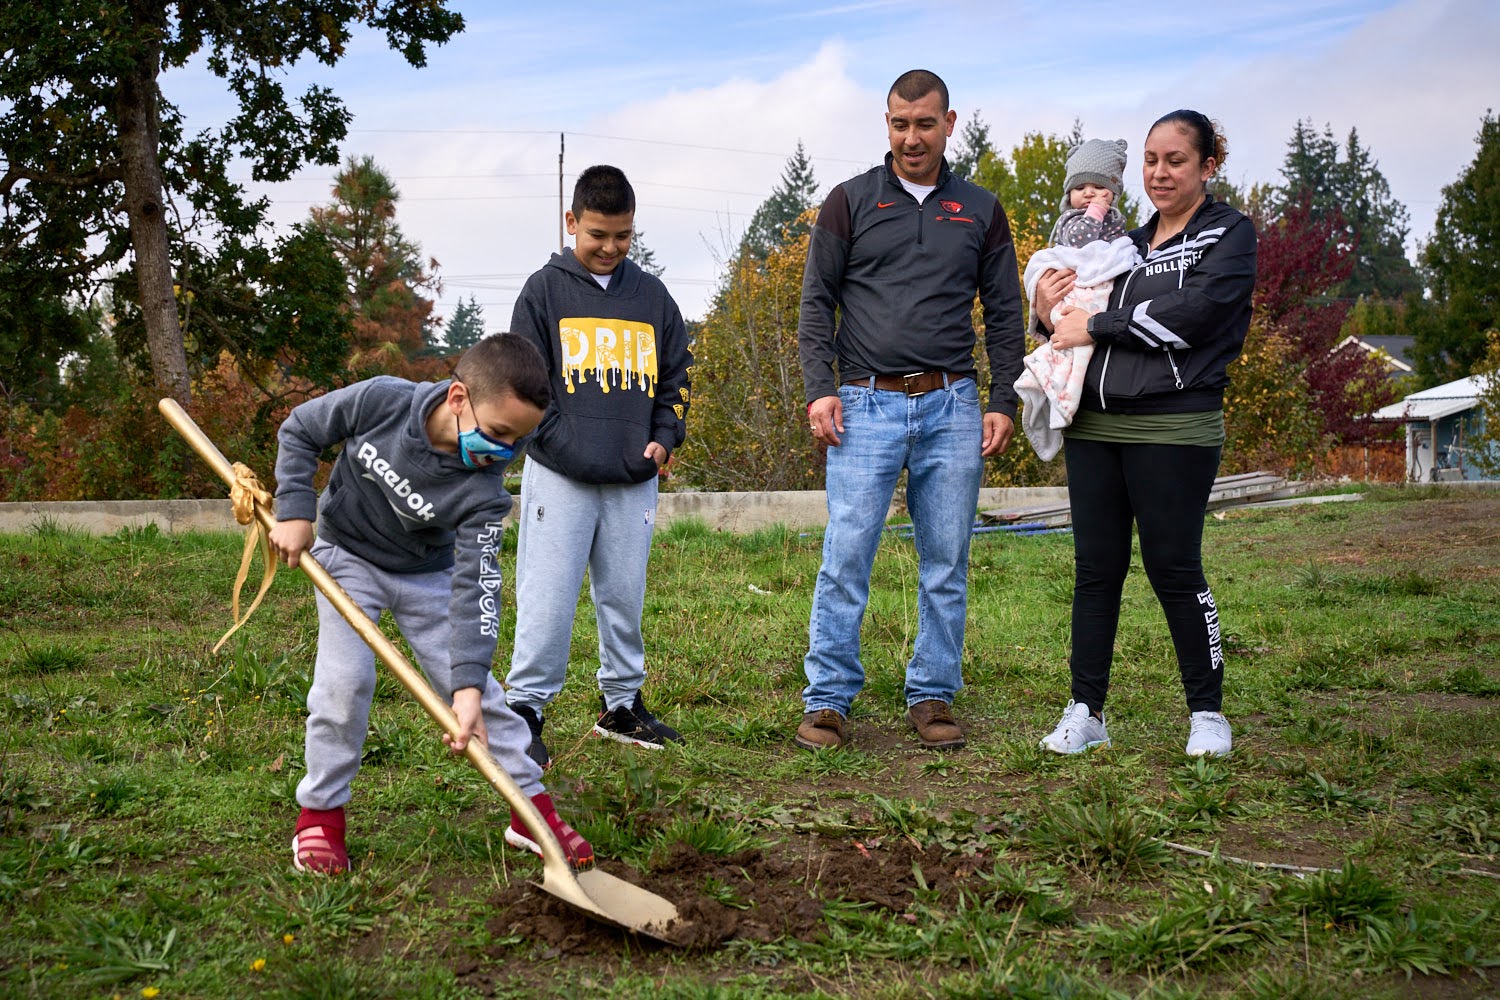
{"x": 821, "y": 730}
{"x": 935, "y": 726}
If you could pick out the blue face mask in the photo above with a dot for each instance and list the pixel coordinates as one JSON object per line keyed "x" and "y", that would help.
{"x": 478, "y": 449}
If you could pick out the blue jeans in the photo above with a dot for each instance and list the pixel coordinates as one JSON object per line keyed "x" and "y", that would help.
{"x": 937, "y": 438}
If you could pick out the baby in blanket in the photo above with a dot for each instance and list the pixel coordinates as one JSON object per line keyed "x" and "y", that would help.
{"x": 1089, "y": 239}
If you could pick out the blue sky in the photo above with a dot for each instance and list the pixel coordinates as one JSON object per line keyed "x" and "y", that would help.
{"x": 701, "y": 105}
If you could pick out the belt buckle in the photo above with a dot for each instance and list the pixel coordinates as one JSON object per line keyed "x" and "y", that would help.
{"x": 906, "y": 384}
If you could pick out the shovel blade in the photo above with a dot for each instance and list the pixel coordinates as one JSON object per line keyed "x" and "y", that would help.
{"x": 615, "y": 901}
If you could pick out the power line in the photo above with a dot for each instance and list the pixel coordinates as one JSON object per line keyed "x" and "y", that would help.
{"x": 527, "y": 197}
{"x": 549, "y": 174}
{"x": 598, "y": 135}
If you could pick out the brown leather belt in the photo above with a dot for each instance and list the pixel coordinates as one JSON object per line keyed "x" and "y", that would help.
{"x": 913, "y": 385}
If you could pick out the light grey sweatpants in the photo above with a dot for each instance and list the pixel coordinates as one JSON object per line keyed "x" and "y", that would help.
{"x": 338, "y": 704}
{"x": 567, "y": 527}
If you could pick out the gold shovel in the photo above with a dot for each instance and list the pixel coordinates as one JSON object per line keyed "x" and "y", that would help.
{"x": 597, "y": 893}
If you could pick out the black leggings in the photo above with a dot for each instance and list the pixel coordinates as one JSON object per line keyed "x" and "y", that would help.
{"x": 1163, "y": 489}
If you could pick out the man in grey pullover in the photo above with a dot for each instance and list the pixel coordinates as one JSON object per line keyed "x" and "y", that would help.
{"x": 887, "y": 343}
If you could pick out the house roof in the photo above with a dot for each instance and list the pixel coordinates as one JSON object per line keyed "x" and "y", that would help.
{"x": 1397, "y": 348}
{"x": 1435, "y": 403}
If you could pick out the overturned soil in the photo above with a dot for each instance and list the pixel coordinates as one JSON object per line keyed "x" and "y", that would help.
{"x": 759, "y": 895}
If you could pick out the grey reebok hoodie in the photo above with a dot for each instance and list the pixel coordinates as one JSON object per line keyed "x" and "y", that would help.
{"x": 396, "y": 501}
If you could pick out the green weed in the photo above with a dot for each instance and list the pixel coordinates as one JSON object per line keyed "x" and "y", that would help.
{"x": 1205, "y": 794}
{"x": 1317, "y": 792}
{"x": 1106, "y": 831}
{"x": 709, "y": 835}
{"x": 1199, "y": 925}
{"x": 115, "y": 947}
{"x": 1350, "y": 895}
{"x": 109, "y": 794}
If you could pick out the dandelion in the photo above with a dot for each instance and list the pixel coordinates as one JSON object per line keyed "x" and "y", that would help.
{"x": 259, "y": 965}
{"x": 288, "y": 938}
{"x": 150, "y": 991}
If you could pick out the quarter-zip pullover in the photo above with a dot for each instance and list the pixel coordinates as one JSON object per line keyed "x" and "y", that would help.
{"x": 900, "y": 276}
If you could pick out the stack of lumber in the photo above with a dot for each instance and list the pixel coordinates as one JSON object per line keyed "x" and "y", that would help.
{"x": 1228, "y": 491}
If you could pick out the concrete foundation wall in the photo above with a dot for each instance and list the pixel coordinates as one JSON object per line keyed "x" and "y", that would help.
{"x": 739, "y": 513}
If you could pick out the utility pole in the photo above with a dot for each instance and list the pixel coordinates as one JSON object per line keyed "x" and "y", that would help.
{"x": 560, "y": 144}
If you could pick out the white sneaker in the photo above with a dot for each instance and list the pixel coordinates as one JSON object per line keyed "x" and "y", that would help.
{"x": 1209, "y": 735}
{"x": 1078, "y": 731}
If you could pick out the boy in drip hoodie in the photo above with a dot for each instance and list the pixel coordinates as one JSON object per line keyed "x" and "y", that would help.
{"x": 410, "y": 522}
{"x": 617, "y": 352}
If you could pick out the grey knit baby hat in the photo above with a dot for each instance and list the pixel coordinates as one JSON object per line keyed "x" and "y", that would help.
{"x": 1098, "y": 161}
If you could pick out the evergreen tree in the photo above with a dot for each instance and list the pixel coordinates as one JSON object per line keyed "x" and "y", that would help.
{"x": 644, "y": 256}
{"x": 1462, "y": 262}
{"x": 1348, "y": 181}
{"x": 780, "y": 218}
{"x": 466, "y": 326}
{"x": 749, "y": 430}
{"x": 384, "y": 271}
{"x": 973, "y": 143}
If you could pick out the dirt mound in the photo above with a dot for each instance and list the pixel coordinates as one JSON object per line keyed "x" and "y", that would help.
{"x": 756, "y": 895}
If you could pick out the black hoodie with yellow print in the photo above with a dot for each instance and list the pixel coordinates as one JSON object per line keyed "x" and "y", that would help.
{"x": 620, "y": 367}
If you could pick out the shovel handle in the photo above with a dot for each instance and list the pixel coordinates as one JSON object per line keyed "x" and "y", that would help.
{"x": 410, "y": 678}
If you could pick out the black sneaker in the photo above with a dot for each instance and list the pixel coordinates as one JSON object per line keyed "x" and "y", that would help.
{"x": 635, "y": 725}
{"x": 538, "y": 750}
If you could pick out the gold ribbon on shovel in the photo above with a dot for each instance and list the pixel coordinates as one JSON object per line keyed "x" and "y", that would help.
{"x": 245, "y": 492}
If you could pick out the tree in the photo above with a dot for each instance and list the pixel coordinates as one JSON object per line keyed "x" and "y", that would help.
{"x": 384, "y": 272}
{"x": 972, "y": 145}
{"x": 466, "y": 327}
{"x": 39, "y": 327}
{"x": 782, "y": 216}
{"x": 749, "y": 430}
{"x": 1348, "y": 182}
{"x": 1485, "y": 445}
{"x": 1462, "y": 262}
{"x": 97, "y": 162}
{"x": 644, "y": 256}
{"x": 1295, "y": 393}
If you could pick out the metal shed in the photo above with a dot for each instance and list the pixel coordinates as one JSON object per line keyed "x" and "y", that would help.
{"x": 1440, "y": 424}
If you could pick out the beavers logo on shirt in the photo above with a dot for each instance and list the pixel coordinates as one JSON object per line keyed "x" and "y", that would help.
{"x": 952, "y": 208}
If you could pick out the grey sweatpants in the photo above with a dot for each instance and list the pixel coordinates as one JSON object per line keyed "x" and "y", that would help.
{"x": 338, "y": 704}
{"x": 567, "y": 527}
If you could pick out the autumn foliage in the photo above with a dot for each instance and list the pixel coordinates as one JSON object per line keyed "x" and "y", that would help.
{"x": 749, "y": 425}
{"x": 1295, "y": 395}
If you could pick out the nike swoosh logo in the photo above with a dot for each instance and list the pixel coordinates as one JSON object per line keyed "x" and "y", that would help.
{"x": 884, "y": 204}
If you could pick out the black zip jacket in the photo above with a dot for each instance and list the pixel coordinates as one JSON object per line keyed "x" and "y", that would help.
{"x": 620, "y": 365}
{"x": 1177, "y": 319}
{"x": 900, "y": 278}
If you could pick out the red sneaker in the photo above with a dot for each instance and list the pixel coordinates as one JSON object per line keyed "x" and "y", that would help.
{"x": 580, "y": 855}
{"x": 318, "y": 842}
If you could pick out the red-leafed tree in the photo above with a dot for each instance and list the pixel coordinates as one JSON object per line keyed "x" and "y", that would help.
{"x": 1300, "y": 268}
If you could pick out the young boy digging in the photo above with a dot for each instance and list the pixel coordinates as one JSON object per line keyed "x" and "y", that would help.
{"x": 410, "y": 522}
{"x": 617, "y": 354}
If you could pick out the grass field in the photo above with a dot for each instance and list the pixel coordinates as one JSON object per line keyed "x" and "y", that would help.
{"x": 146, "y": 786}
